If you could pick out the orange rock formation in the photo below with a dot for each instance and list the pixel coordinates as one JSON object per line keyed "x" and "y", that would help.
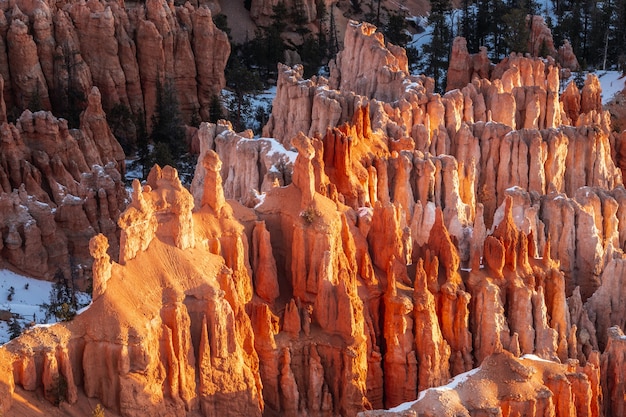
{"x": 63, "y": 50}
{"x": 411, "y": 238}
{"x": 60, "y": 187}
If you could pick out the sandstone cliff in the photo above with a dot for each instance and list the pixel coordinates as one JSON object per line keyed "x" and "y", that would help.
{"x": 59, "y": 188}
{"x": 375, "y": 243}
{"x": 54, "y": 53}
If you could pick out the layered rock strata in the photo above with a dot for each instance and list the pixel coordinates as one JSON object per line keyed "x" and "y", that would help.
{"x": 54, "y": 53}
{"x": 185, "y": 346}
{"x": 59, "y": 187}
{"x": 381, "y": 243}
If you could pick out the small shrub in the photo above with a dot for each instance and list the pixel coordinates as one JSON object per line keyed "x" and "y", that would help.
{"x": 11, "y": 294}
{"x": 98, "y": 411}
{"x": 310, "y": 214}
{"x": 57, "y": 393}
{"x": 14, "y": 329}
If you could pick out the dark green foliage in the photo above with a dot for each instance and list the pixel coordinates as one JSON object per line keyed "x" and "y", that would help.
{"x": 468, "y": 26}
{"x": 518, "y": 31}
{"x": 122, "y": 123}
{"x": 168, "y": 129}
{"x": 14, "y": 329}
{"x": 320, "y": 9}
{"x": 596, "y": 30}
{"x": 437, "y": 51}
{"x": 195, "y": 119}
{"x": 76, "y": 103}
{"x": 143, "y": 149}
{"x": 395, "y": 30}
{"x": 62, "y": 304}
{"x": 333, "y": 44}
{"x": 167, "y": 123}
{"x": 221, "y": 22}
{"x": 313, "y": 53}
{"x": 11, "y": 294}
{"x": 34, "y": 104}
{"x": 162, "y": 155}
{"x": 579, "y": 79}
{"x": 298, "y": 15}
{"x": 261, "y": 117}
{"x": 242, "y": 81}
{"x": 216, "y": 111}
{"x": 67, "y": 99}
{"x": 356, "y": 5}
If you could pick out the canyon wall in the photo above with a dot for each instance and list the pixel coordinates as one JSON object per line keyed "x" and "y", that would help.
{"x": 53, "y": 53}
{"x": 379, "y": 241}
{"x": 58, "y": 188}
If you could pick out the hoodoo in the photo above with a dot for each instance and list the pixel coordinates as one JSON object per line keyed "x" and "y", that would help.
{"x": 383, "y": 246}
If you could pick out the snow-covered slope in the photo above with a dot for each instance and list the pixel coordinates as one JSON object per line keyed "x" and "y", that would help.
{"x": 24, "y": 297}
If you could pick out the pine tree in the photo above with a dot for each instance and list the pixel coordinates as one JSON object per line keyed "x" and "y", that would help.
{"x": 395, "y": 30}
{"x": 14, "y": 329}
{"x": 143, "y": 149}
{"x": 62, "y": 303}
{"x": 517, "y": 34}
{"x": 215, "y": 109}
{"x": 241, "y": 81}
{"x": 468, "y": 26}
{"x": 168, "y": 131}
{"x": 437, "y": 51}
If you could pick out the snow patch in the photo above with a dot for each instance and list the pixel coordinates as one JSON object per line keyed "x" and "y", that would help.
{"x": 261, "y": 198}
{"x": 535, "y": 358}
{"x": 612, "y": 82}
{"x": 452, "y": 385}
{"x": 26, "y": 298}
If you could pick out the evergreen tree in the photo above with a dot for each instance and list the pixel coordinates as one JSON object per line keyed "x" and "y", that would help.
{"x": 395, "y": 30}
{"x": 215, "y": 109}
{"x": 121, "y": 121}
{"x": 143, "y": 148}
{"x": 168, "y": 131}
{"x": 221, "y": 22}
{"x": 517, "y": 34}
{"x": 468, "y": 26}
{"x": 438, "y": 50}
{"x": 62, "y": 303}
{"x": 333, "y": 45}
{"x": 14, "y": 329}
{"x": 34, "y": 104}
{"x": 242, "y": 81}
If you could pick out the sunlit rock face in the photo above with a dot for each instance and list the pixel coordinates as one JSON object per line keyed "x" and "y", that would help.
{"x": 54, "y": 53}
{"x": 378, "y": 241}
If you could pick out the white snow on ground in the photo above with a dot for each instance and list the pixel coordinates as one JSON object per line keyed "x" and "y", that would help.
{"x": 264, "y": 98}
{"x": 29, "y": 295}
{"x": 134, "y": 170}
{"x": 277, "y": 147}
{"x": 535, "y": 358}
{"x": 452, "y": 385}
{"x": 612, "y": 83}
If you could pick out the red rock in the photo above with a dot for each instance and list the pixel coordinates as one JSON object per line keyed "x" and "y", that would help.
{"x": 264, "y": 264}
{"x": 460, "y": 69}
{"x": 27, "y": 77}
{"x": 612, "y": 376}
